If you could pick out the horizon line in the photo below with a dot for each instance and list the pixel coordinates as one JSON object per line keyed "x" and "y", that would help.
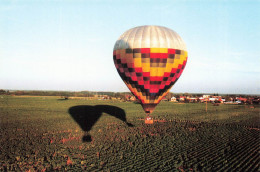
{"x": 257, "y": 94}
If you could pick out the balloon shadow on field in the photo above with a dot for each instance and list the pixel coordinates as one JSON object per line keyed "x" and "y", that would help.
{"x": 86, "y": 116}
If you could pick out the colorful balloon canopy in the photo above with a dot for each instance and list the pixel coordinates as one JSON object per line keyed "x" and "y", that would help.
{"x": 150, "y": 59}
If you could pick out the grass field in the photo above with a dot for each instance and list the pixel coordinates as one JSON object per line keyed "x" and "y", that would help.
{"x": 46, "y": 134}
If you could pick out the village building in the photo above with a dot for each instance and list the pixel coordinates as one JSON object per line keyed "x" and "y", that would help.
{"x": 182, "y": 98}
{"x": 241, "y": 99}
{"x": 173, "y": 99}
{"x": 192, "y": 99}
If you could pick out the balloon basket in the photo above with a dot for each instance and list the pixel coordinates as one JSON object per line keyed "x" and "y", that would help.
{"x": 148, "y": 120}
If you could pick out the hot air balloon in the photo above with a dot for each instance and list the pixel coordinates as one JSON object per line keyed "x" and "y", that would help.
{"x": 150, "y": 59}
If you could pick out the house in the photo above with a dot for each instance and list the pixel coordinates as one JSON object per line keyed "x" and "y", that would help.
{"x": 173, "y": 99}
{"x": 206, "y": 96}
{"x": 132, "y": 98}
{"x": 222, "y": 100}
{"x": 105, "y": 97}
{"x": 164, "y": 99}
{"x": 241, "y": 99}
{"x": 201, "y": 99}
{"x": 193, "y": 99}
{"x": 182, "y": 98}
{"x": 213, "y": 99}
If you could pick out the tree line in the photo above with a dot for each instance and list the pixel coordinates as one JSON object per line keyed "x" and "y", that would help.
{"x": 121, "y": 95}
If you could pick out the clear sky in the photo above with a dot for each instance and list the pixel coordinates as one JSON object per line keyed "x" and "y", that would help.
{"x": 68, "y": 45}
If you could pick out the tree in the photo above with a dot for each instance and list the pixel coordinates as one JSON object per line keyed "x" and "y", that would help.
{"x": 2, "y": 92}
{"x": 169, "y": 96}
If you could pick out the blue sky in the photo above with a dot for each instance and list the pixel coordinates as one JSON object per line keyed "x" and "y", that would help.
{"x": 68, "y": 45}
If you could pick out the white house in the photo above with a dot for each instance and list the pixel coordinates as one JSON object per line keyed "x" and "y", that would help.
{"x": 173, "y": 99}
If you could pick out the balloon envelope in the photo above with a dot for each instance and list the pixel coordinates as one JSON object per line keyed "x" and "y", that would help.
{"x": 150, "y": 59}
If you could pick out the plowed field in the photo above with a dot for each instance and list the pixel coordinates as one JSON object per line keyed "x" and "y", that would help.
{"x": 46, "y": 134}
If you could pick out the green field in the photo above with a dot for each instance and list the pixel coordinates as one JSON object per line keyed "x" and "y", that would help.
{"x": 45, "y": 134}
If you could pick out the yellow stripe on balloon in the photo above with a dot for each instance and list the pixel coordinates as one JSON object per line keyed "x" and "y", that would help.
{"x": 153, "y": 71}
{"x": 158, "y": 50}
{"x": 137, "y": 62}
{"x": 146, "y": 67}
{"x": 169, "y": 67}
{"x": 157, "y": 71}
